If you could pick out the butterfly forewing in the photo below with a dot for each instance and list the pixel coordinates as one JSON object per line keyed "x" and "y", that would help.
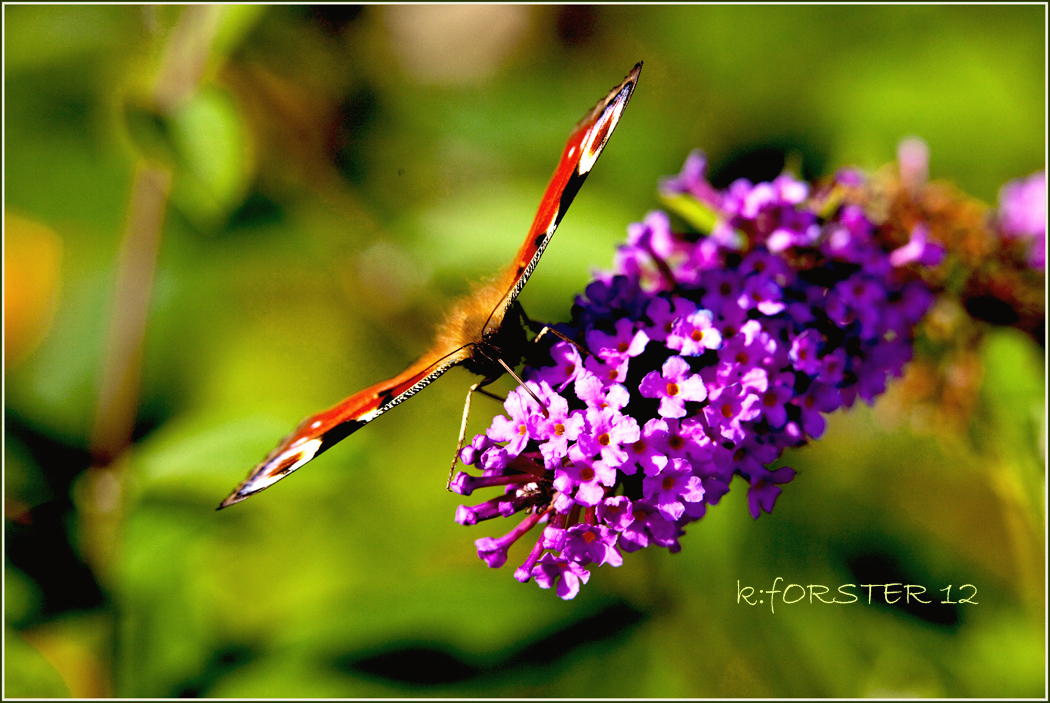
{"x": 480, "y": 316}
{"x": 586, "y": 142}
{"x": 318, "y": 432}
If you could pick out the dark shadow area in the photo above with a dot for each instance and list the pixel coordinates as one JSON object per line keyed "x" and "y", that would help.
{"x": 430, "y": 663}
{"x": 613, "y": 622}
{"x": 223, "y": 661}
{"x": 414, "y": 664}
{"x": 356, "y": 117}
{"x": 576, "y": 25}
{"x": 874, "y": 566}
{"x": 333, "y": 19}
{"x": 764, "y": 162}
{"x": 37, "y": 540}
{"x": 993, "y": 310}
{"x": 257, "y": 211}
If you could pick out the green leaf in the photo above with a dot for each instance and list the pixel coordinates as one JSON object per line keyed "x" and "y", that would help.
{"x": 692, "y": 211}
{"x": 211, "y": 144}
{"x": 27, "y": 674}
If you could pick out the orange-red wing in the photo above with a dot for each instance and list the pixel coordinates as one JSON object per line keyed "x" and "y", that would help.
{"x": 585, "y": 144}
{"x": 318, "y": 432}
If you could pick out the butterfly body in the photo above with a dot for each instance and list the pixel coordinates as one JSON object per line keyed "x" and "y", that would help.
{"x": 477, "y": 333}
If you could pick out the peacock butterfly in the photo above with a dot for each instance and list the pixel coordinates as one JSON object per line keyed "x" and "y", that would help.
{"x": 474, "y": 334}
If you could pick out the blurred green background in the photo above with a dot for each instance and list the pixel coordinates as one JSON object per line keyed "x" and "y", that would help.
{"x": 339, "y": 175}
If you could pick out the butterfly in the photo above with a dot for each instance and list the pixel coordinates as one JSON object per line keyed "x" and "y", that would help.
{"x": 473, "y": 334}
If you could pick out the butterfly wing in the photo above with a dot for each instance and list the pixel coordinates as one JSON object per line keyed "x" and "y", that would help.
{"x": 319, "y": 432}
{"x": 585, "y": 144}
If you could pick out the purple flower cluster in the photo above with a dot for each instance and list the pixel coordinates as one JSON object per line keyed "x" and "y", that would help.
{"x": 700, "y": 358}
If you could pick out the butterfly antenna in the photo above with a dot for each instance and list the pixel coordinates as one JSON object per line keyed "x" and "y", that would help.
{"x": 521, "y": 383}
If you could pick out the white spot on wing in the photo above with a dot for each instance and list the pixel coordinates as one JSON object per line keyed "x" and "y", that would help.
{"x": 308, "y": 451}
{"x": 605, "y": 124}
{"x": 298, "y": 454}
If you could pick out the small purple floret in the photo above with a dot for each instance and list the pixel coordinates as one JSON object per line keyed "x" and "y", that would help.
{"x": 1022, "y": 215}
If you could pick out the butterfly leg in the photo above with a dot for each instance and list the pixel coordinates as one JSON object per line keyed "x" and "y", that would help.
{"x": 541, "y": 330}
{"x": 463, "y": 425}
{"x": 530, "y": 323}
{"x": 521, "y": 384}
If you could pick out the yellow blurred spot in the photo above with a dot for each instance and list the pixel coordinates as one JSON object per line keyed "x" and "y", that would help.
{"x": 450, "y": 44}
{"x": 70, "y": 647}
{"x": 32, "y": 270}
